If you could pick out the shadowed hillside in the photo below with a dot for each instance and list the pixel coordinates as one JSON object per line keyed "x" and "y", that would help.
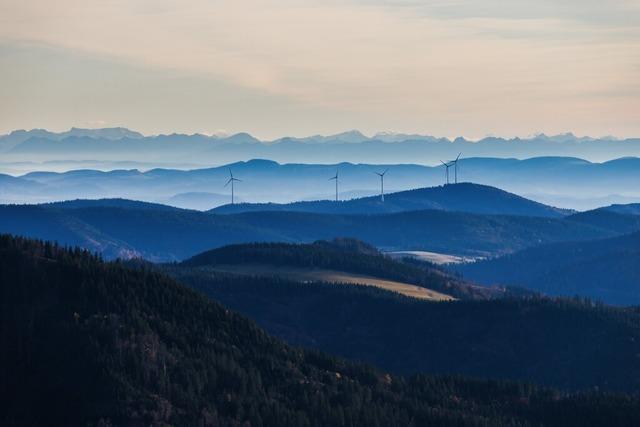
{"x": 607, "y": 270}
{"x": 563, "y": 343}
{"x": 88, "y": 343}
{"x": 120, "y": 228}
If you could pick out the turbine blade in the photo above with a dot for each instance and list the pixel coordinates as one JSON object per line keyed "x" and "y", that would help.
{"x": 230, "y": 179}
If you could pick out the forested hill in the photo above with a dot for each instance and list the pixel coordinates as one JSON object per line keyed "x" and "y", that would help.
{"x": 630, "y": 209}
{"x": 607, "y": 270}
{"x": 620, "y": 223}
{"x": 463, "y": 197}
{"x": 109, "y": 203}
{"x": 347, "y": 255}
{"x": 122, "y": 229}
{"x": 565, "y": 343}
{"x": 89, "y": 343}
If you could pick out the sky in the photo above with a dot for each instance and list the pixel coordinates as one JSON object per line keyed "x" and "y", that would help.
{"x": 300, "y": 67}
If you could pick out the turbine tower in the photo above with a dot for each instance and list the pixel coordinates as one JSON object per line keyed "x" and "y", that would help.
{"x": 231, "y": 181}
{"x": 381, "y": 175}
{"x": 447, "y": 166}
{"x": 455, "y": 163}
{"x": 336, "y": 179}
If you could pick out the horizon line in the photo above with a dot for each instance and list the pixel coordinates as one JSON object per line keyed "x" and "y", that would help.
{"x": 380, "y": 134}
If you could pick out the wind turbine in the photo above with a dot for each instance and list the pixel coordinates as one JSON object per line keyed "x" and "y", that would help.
{"x": 231, "y": 181}
{"x": 455, "y": 162}
{"x": 381, "y": 175}
{"x": 447, "y": 165}
{"x": 336, "y": 179}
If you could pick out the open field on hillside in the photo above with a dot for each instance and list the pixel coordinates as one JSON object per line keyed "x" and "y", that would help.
{"x": 434, "y": 257}
{"x": 322, "y": 275}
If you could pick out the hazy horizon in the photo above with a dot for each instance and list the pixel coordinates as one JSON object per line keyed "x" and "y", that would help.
{"x": 305, "y": 67}
{"x": 369, "y": 135}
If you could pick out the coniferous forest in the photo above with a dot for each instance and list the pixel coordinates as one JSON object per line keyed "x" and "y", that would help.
{"x": 87, "y": 342}
{"x": 569, "y": 343}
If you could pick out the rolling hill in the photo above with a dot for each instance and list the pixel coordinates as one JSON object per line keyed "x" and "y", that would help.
{"x": 606, "y": 270}
{"x": 109, "y": 203}
{"x": 118, "y": 228}
{"x": 436, "y": 231}
{"x": 339, "y": 260}
{"x": 621, "y": 223}
{"x": 464, "y": 197}
{"x": 89, "y": 343}
{"x": 629, "y": 209}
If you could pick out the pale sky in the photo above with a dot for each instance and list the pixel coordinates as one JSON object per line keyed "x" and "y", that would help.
{"x": 301, "y": 67}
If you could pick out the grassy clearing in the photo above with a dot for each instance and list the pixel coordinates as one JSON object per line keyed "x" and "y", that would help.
{"x": 322, "y": 275}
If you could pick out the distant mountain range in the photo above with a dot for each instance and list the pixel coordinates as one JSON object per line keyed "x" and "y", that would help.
{"x": 352, "y": 146}
{"x": 17, "y": 138}
{"x": 567, "y": 182}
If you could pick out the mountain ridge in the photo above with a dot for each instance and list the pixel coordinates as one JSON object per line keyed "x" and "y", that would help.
{"x": 117, "y": 228}
{"x": 79, "y": 143}
{"x": 463, "y": 197}
{"x": 352, "y": 135}
{"x": 550, "y": 178}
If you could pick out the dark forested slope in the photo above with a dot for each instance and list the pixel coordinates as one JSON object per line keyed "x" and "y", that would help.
{"x": 564, "y": 343}
{"x": 89, "y": 343}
